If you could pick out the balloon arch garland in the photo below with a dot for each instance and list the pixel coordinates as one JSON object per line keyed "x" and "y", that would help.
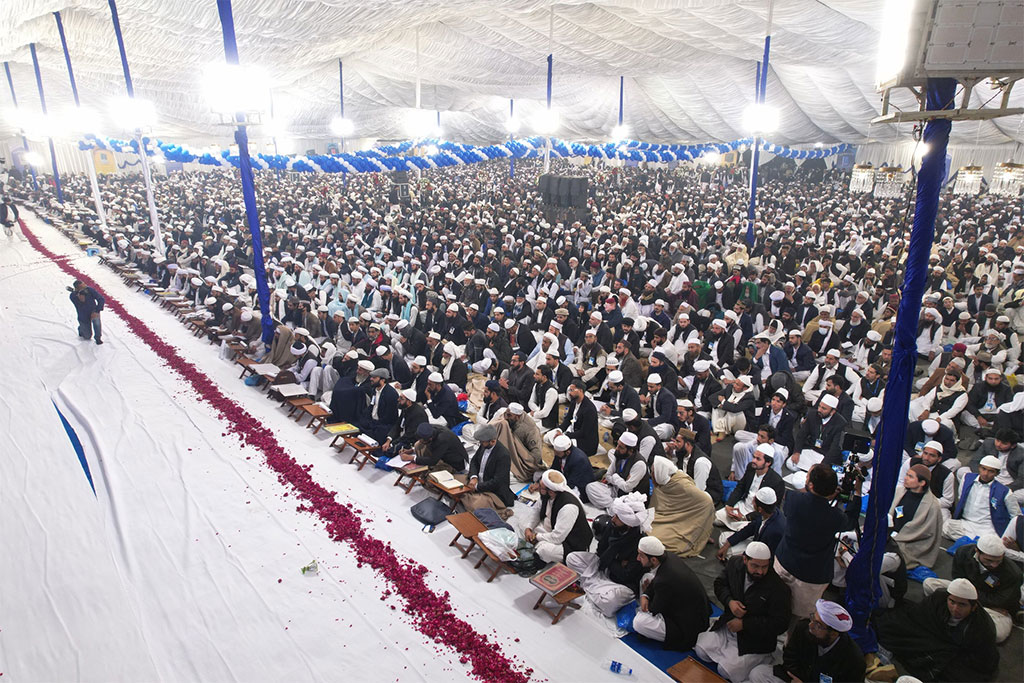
{"x": 397, "y": 158}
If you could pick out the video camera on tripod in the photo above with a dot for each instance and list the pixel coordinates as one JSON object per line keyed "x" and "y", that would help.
{"x": 855, "y": 449}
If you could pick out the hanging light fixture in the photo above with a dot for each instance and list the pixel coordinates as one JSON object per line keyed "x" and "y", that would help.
{"x": 1007, "y": 179}
{"x": 968, "y": 180}
{"x": 862, "y": 179}
{"x": 889, "y": 182}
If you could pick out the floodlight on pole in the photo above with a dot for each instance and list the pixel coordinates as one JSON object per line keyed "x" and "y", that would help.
{"x": 895, "y": 39}
{"x": 233, "y": 89}
{"x": 132, "y": 113}
{"x": 620, "y": 132}
{"x": 33, "y": 159}
{"x": 342, "y": 127}
{"x": 761, "y": 118}
{"x": 512, "y": 125}
{"x": 547, "y": 122}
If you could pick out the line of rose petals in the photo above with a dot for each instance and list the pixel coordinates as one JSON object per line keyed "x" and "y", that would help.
{"x": 431, "y": 614}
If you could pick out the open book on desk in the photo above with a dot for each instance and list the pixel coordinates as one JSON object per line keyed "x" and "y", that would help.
{"x": 445, "y": 480}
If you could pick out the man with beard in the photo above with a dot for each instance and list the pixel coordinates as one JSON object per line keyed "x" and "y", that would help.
{"x": 818, "y": 649}
{"x": 518, "y": 385}
{"x": 756, "y": 613}
{"x": 612, "y": 575}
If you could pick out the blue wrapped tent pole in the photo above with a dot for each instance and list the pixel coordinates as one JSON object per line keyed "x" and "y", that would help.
{"x": 755, "y": 152}
{"x": 227, "y": 24}
{"x": 862, "y": 576}
{"x": 42, "y": 107}
{"x": 24, "y": 140}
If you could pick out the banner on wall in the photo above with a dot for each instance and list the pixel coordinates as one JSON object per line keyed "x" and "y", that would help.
{"x": 104, "y": 160}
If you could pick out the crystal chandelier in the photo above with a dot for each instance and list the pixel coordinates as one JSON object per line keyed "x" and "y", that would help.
{"x": 862, "y": 179}
{"x": 888, "y": 182}
{"x": 1007, "y": 179}
{"x": 968, "y": 180}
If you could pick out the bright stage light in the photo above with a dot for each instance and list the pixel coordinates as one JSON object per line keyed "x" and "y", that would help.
{"x": 236, "y": 88}
{"x": 547, "y": 122}
{"x": 276, "y": 128}
{"x": 921, "y": 151}
{"x": 818, "y": 145}
{"x": 33, "y": 159}
{"x": 892, "y": 45}
{"x": 620, "y": 132}
{"x": 761, "y": 118}
{"x": 710, "y": 158}
{"x": 342, "y": 127}
{"x": 430, "y": 150}
{"x": 512, "y": 125}
{"x": 132, "y": 113}
{"x": 422, "y": 123}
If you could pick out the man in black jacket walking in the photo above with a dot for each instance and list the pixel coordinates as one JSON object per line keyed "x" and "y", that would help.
{"x": 755, "y": 605}
{"x": 88, "y": 304}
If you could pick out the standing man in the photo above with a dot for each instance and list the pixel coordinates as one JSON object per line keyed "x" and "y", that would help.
{"x": 88, "y": 303}
{"x": 8, "y": 215}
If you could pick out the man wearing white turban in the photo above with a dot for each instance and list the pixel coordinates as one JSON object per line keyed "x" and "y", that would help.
{"x": 563, "y": 527}
{"x": 612, "y": 575}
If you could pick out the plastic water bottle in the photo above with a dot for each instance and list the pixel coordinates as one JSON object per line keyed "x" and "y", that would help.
{"x": 618, "y": 668}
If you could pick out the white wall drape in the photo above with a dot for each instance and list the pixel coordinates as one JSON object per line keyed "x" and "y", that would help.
{"x": 986, "y": 156}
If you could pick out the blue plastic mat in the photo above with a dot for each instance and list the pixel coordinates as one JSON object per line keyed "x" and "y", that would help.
{"x": 76, "y": 444}
{"x": 657, "y": 655}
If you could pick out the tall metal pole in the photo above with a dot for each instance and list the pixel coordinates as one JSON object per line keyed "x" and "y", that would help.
{"x": 97, "y": 198}
{"x": 341, "y": 96}
{"x": 863, "y": 589}
{"x": 755, "y": 154}
{"x": 622, "y": 86}
{"x": 49, "y": 138}
{"x": 227, "y": 24}
{"x": 511, "y": 117}
{"x": 24, "y": 140}
{"x": 154, "y": 218}
{"x": 551, "y": 53}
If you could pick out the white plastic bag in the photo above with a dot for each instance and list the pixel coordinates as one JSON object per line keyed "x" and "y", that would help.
{"x": 501, "y": 542}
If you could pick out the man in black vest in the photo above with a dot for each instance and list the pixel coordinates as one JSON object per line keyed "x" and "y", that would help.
{"x": 674, "y": 608}
{"x": 627, "y": 472}
{"x": 563, "y": 527}
{"x": 756, "y": 612}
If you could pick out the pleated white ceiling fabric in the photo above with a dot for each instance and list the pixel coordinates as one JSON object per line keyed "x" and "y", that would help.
{"x": 689, "y": 65}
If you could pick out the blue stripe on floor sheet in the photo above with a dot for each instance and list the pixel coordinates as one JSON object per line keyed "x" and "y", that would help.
{"x": 77, "y": 445}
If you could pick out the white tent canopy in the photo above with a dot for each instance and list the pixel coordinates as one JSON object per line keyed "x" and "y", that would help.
{"x": 689, "y": 65}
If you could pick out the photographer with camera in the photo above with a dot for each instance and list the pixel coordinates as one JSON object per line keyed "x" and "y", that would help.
{"x": 806, "y": 554}
{"x": 88, "y": 304}
{"x": 8, "y": 215}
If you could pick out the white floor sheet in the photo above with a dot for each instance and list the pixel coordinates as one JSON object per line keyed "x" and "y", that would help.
{"x": 185, "y": 564}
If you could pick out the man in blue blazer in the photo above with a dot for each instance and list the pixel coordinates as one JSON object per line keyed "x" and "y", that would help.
{"x": 806, "y": 555}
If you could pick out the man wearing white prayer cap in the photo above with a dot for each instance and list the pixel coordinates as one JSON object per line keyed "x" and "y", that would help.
{"x": 996, "y": 580}
{"x": 756, "y": 606}
{"x": 942, "y": 483}
{"x": 984, "y": 505}
{"x": 945, "y": 637}
{"x": 442, "y": 406}
{"x": 703, "y": 387}
{"x": 610, "y": 576}
{"x": 410, "y": 416}
{"x": 627, "y": 472}
{"x": 818, "y": 649}
{"x": 522, "y": 438}
{"x": 767, "y": 526}
{"x": 674, "y": 608}
{"x": 563, "y": 526}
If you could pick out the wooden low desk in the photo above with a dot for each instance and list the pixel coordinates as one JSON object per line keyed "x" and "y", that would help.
{"x": 564, "y": 600}
{"x": 317, "y": 416}
{"x": 691, "y": 671}
{"x": 296, "y": 405}
{"x": 414, "y": 474}
{"x": 363, "y": 453}
{"x": 499, "y": 565}
{"x": 466, "y": 526}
